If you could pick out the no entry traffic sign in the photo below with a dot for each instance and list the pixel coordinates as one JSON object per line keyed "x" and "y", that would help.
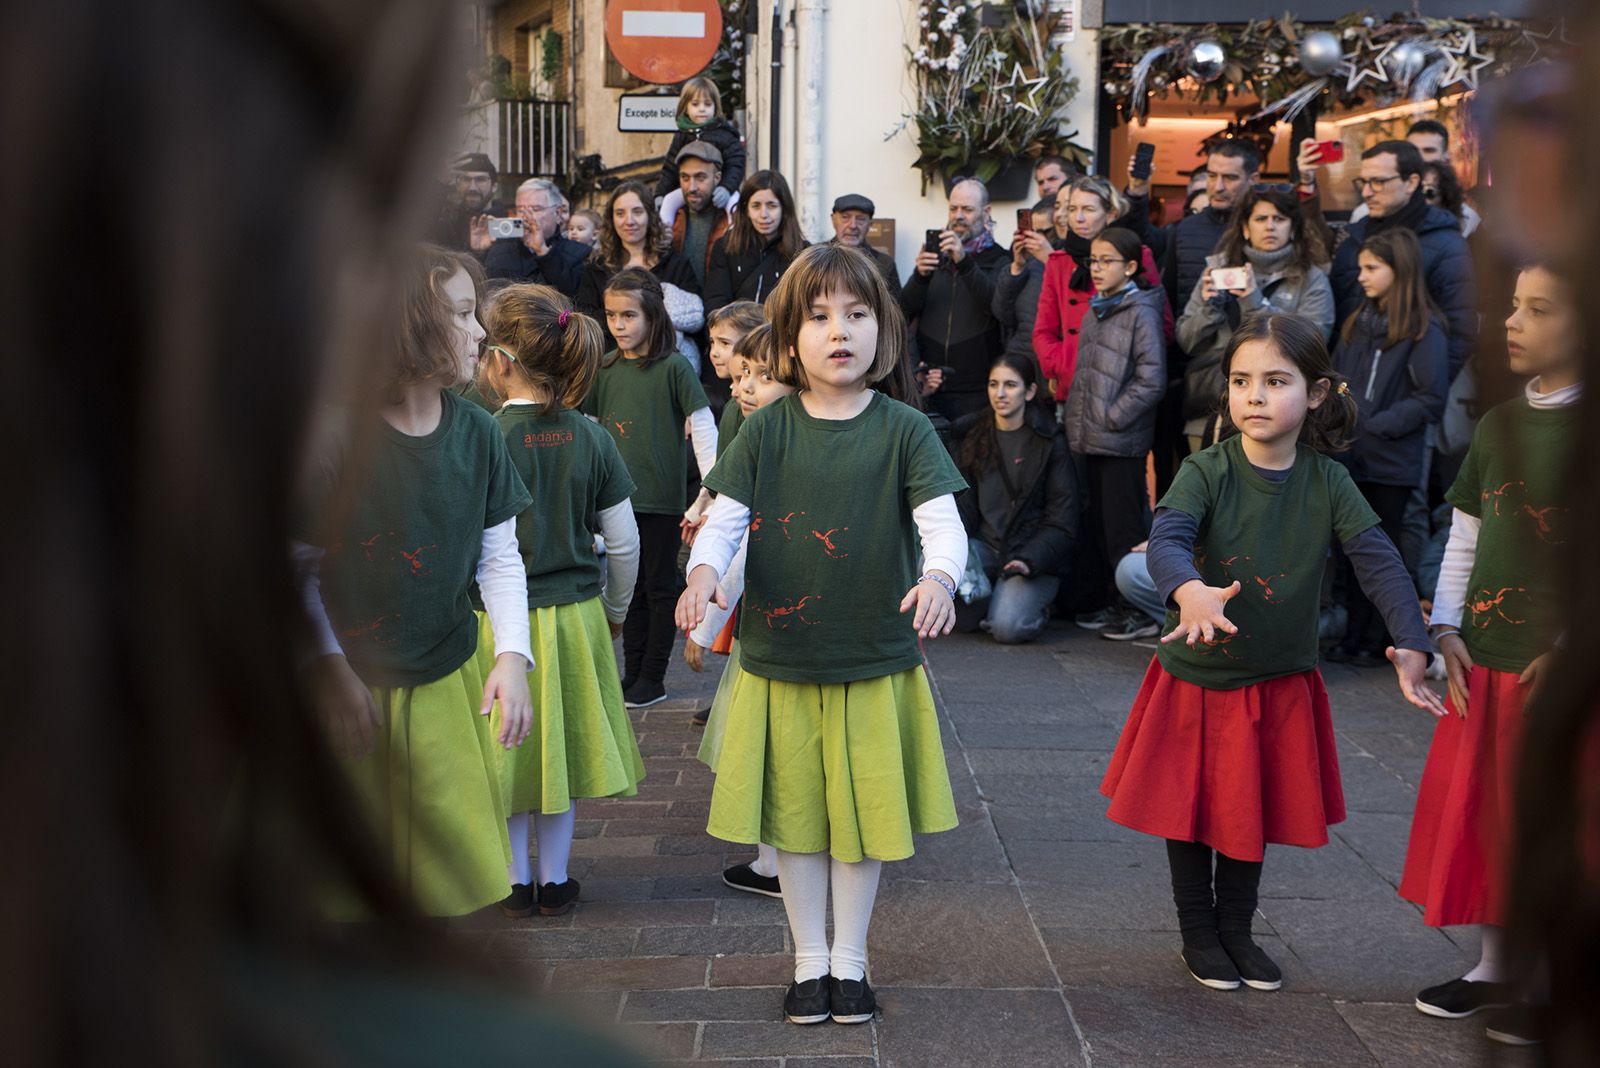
{"x": 663, "y": 41}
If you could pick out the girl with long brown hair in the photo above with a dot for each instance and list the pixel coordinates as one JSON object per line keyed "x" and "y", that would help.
{"x": 748, "y": 260}
{"x": 1394, "y": 352}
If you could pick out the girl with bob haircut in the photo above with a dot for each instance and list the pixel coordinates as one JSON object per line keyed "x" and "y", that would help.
{"x": 643, "y": 395}
{"x": 543, "y": 358}
{"x": 747, "y": 261}
{"x": 1230, "y": 742}
{"x": 1395, "y": 353}
{"x": 407, "y": 527}
{"x": 831, "y": 752}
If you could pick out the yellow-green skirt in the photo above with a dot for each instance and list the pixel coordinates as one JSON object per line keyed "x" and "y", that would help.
{"x": 431, "y": 791}
{"x": 717, "y": 718}
{"x": 851, "y": 768}
{"x": 582, "y": 744}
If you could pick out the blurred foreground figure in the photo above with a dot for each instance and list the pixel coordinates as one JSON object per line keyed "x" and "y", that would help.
{"x": 1542, "y": 140}
{"x": 172, "y": 817}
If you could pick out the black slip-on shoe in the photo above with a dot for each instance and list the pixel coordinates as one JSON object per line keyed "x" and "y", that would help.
{"x": 556, "y": 900}
{"x": 1460, "y": 998}
{"x": 520, "y": 902}
{"x": 743, "y": 877}
{"x": 643, "y": 694}
{"x": 808, "y": 1002}
{"x": 1257, "y": 970}
{"x": 1211, "y": 967}
{"x": 1519, "y": 1024}
{"x": 852, "y": 1001}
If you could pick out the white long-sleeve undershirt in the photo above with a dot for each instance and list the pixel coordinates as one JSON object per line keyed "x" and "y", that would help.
{"x": 733, "y": 586}
{"x": 703, "y": 435}
{"x": 502, "y": 582}
{"x": 621, "y": 533}
{"x": 1455, "y": 570}
{"x": 944, "y": 539}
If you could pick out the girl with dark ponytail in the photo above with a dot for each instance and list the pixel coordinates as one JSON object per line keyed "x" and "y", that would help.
{"x": 1230, "y": 742}
{"x": 542, "y": 358}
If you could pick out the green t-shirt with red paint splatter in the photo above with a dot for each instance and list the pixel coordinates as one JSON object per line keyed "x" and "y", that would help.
{"x": 1273, "y": 538}
{"x": 574, "y": 473}
{"x": 644, "y": 409}
{"x": 1512, "y": 481}
{"x": 832, "y": 545}
{"x": 396, "y": 572}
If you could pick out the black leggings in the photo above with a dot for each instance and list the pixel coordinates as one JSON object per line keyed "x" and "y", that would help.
{"x": 649, "y": 630}
{"x": 1116, "y": 519}
{"x": 1212, "y": 907}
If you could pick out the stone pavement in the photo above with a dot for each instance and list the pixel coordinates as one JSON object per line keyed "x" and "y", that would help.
{"x": 1037, "y": 933}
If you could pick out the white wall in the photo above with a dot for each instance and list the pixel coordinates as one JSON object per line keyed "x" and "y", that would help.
{"x": 865, "y": 93}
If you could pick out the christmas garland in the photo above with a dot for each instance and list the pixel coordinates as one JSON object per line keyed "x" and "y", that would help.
{"x": 1286, "y": 64}
{"x": 727, "y": 65}
{"x": 990, "y": 88}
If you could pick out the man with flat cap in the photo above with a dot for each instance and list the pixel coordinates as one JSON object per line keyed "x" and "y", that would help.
{"x": 463, "y": 224}
{"x": 852, "y": 215}
{"x": 701, "y": 222}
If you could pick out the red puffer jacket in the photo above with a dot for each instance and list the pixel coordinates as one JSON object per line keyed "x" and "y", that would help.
{"x": 1061, "y": 312}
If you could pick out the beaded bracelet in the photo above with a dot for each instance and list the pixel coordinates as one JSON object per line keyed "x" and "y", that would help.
{"x": 949, "y": 587}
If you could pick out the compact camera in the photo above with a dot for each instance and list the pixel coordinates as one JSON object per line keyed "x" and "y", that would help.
{"x": 1226, "y": 278}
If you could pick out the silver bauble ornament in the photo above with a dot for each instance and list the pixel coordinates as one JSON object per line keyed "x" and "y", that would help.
{"x": 1320, "y": 52}
{"x": 1205, "y": 61}
{"x": 1405, "y": 61}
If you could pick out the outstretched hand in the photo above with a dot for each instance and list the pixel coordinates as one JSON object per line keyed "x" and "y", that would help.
{"x": 1201, "y": 613}
{"x": 701, "y": 590}
{"x": 1412, "y": 667}
{"x": 936, "y": 614}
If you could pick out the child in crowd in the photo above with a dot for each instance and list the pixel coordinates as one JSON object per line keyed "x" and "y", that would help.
{"x": 700, "y": 118}
{"x": 584, "y": 227}
{"x": 832, "y": 751}
{"x": 756, "y": 386}
{"x": 726, "y": 326}
{"x": 642, "y": 396}
{"x": 1497, "y": 618}
{"x": 1022, "y": 511}
{"x": 1110, "y": 414}
{"x": 434, "y": 508}
{"x": 1394, "y": 352}
{"x": 542, "y": 359}
{"x": 1230, "y": 743}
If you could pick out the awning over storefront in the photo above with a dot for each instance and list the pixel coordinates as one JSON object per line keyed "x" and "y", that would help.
{"x": 1119, "y": 11}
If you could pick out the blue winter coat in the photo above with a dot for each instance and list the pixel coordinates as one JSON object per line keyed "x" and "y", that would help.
{"x": 1399, "y": 389}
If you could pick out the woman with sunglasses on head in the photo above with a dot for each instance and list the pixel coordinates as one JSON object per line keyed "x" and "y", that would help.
{"x": 1284, "y": 266}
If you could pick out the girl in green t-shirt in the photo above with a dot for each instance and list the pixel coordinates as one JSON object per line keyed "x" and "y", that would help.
{"x": 542, "y": 359}
{"x": 832, "y": 751}
{"x": 1497, "y": 614}
{"x": 643, "y": 395}
{"x": 1230, "y": 742}
{"x": 428, "y": 508}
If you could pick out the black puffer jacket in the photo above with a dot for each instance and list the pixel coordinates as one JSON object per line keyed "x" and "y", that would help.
{"x": 1399, "y": 389}
{"x": 1043, "y": 520}
{"x": 749, "y": 275}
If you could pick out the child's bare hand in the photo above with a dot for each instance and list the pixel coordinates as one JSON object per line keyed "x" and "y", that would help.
{"x": 1457, "y": 667}
{"x": 508, "y": 684}
{"x": 1412, "y": 667}
{"x": 935, "y": 614}
{"x": 702, "y": 589}
{"x": 616, "y": 629}
{"x": 345, "y": 706}
{"x": 1537, "y": 673}
{"x": 1201, "y": 612}
{"x": 694, "y": 654}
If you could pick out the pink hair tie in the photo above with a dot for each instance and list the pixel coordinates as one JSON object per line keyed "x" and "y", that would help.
{"x": 561, "y": 320}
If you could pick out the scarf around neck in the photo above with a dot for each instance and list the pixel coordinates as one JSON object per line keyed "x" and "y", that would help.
{"x": 1269, "y": 265}
{"x": 1078, "y": 248}
{"x": 1104, "y": 304}
{"x": 1411, "y": 216}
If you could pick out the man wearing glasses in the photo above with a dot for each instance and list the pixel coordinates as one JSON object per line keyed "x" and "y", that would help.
{"x": 1390, "y": 187}
{"x": 541, "y": 255}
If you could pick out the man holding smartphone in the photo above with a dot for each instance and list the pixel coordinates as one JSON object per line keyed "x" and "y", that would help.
{"x": 541, "y": 255}
{"x": 950, "y": 297}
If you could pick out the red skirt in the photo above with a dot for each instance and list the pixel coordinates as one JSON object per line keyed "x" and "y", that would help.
{"x": 1461, "y": 833}
{"x": 1234, "y": 769}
